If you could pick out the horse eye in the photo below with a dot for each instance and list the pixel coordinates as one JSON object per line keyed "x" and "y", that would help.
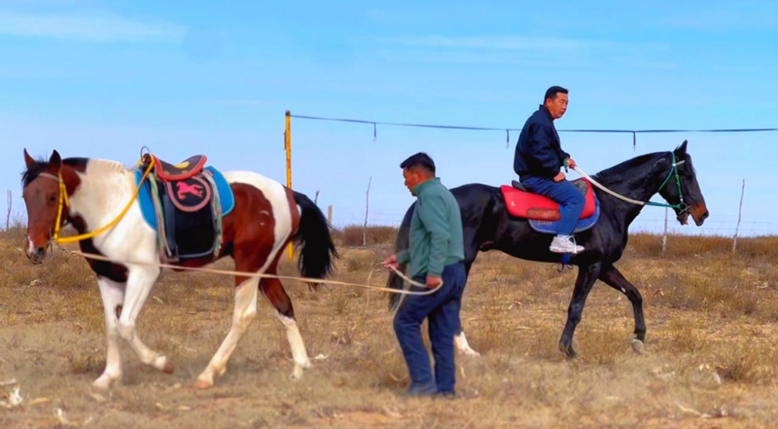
{"x": 53, "y": 199}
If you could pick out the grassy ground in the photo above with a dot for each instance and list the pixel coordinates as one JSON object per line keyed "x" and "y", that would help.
{"x": 710, "y": 360}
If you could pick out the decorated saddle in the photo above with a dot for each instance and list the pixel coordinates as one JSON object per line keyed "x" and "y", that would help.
{"x": 185, "y": 204}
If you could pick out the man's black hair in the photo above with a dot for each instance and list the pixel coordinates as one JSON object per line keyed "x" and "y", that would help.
{"x": 421, "y": 160}
{"x": 553, "y": 91}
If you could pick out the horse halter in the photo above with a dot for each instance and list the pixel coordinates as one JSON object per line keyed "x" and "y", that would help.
{"x": 682, "y": 206}
{"x": 62, "y": 202}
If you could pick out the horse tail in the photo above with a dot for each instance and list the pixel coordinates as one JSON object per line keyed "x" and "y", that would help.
{"x": 314, "y": 238}
{"x": 402, "y": 242}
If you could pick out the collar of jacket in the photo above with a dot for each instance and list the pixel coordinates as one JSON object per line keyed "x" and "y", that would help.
{"x": 418, "y": 189}
{"x": 545, "y": 110}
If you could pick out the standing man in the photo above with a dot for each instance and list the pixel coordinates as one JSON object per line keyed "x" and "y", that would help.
{"x": 538, "y": 159}
{"x": 436, "y": 256}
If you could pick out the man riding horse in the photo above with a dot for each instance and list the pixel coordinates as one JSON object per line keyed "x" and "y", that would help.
{"x": 538, "y": 159}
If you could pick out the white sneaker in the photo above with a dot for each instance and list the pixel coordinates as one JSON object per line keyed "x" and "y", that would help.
{"x": 565, "y": 244}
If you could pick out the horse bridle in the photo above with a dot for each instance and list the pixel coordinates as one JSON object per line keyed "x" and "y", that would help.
{"x": 682, "y": 206}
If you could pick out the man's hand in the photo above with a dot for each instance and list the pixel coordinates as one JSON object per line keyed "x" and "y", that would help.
{"x": 559, "y": 177}
{"x": 570, "y": 163}
{"x": 433, "y": 282}
{"x": 391, "y": 262}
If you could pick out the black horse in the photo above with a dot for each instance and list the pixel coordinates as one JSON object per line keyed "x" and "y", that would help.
{"x": 488, "y": 226}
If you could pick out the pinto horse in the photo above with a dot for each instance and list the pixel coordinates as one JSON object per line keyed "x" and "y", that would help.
{"x": 488, "y": 226}
{"x": 266, "y": 216}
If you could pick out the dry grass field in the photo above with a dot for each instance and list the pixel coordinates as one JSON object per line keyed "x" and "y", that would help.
{"x": 711, "y": 357}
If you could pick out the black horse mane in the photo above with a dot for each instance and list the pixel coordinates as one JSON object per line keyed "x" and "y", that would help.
{"x": 618, "y": 171}
{"x": 33, "y": 172}
{"x": 40, "y": 166}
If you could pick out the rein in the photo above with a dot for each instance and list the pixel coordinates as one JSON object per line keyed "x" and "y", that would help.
{"x": 63, "y": 201}
{"x": 673, "y": 172}
{"x": 270, "y": 276}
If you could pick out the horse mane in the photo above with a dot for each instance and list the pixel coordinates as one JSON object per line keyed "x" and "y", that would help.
{"x": 33, "y": 172}
{"x": 99, "y": 165}
{"x": 618, "y": 171}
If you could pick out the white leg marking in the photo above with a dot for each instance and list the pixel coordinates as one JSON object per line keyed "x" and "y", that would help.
{"x": 299, "y": 354}
{"x": 113, "y": 295}
{"x": 140, "y": 281}
{"x": 245, "y": 312}
{"x": 463, "y": 346}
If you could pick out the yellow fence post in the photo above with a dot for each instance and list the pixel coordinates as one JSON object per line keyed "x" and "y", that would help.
{"x": 288, "y": 149}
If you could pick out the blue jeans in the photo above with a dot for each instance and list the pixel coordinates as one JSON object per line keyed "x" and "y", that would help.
{"x": 442, "y": 311}
{"x": 570, "y": 199}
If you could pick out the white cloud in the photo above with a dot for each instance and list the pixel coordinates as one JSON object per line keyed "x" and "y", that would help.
{"x": 91, "y": 27}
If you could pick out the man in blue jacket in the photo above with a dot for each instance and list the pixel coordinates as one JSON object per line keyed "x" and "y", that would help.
{"x": 538, "y": 159}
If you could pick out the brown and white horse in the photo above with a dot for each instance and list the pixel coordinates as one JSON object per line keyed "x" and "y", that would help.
{"x": 266, "y": 217}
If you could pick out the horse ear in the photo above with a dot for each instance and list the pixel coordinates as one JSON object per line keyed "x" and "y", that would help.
{"x": 55, "y": 162}
{"x": 28, "y": 159}
{"x": 682, "y": 148}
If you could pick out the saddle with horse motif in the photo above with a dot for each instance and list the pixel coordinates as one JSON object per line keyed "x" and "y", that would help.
{"x": 543, "y": 213}
{"x": 184, "y": 203}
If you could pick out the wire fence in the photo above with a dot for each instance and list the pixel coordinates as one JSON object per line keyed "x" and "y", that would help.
{"x": 653, "y": 221}
{"x": 508, "y": 130}
{"x": 723, "y": 225}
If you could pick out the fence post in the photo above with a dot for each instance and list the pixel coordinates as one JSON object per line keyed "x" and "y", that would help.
{"x": 739, "y": 216}
{"x": 10, "y": 205}
{"x": 288, "y": 150}
{"x": 329, "y": 215}
{"x": 367, "y": 208}
{"x": 664, "y": 236}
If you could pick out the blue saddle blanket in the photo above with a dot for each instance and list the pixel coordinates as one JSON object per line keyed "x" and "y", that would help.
{"x": 550, "y": 227}
{"x": 226, "y": 196}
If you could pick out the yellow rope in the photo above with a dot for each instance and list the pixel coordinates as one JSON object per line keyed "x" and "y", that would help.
{"x": 64, "y": 200}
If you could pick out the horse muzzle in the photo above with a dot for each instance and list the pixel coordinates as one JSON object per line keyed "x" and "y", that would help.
{"x": 699, "y": 213}
{"x": 37, "y": 256}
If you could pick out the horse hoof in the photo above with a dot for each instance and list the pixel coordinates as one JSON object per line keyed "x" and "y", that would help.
{"x": 203, "y": 384}
{"x": 168, "y": 368}
{"x": 471, "y": 353}
{"x": 297, "y": 373}
{"x": 568, "y": 351}
{"x": 104, "y": 382}
{"x": 638, "y": 346}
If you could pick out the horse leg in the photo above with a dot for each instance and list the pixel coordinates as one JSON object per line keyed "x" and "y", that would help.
{"x": 613, "y": 278}
{"x": 112, "y": 294}
{"x": 460, "y": 341}
{"x": 244, "y": 313}
{"x": 587, "y": 275}
{"x": 140, "y": 281}
{"x": 275, "y": 293}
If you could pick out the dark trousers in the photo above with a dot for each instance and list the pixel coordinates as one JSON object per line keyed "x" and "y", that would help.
{"x": 570, "y": 199}
{"x": 442, "y": 311}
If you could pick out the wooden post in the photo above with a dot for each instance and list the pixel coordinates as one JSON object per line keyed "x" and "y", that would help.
{"x": 739, "y": 217}
{"x": 367, "y": 208}
{"x": 288, "y": 150}
{"x": 664, "y": 236}
{"x": 8, "y": 215}
{"x": 329, "y": 215}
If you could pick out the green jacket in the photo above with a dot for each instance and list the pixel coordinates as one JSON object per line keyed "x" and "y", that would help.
{"x": 436, "y": 231}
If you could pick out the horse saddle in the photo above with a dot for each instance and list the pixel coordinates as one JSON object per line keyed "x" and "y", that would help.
{"x": 184, "y": 203}
{"x": 190, "y": 167}
{"x": 543, "y": 213}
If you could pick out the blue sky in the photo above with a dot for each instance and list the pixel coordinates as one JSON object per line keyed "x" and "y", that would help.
{"x": 103, "y": 79}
